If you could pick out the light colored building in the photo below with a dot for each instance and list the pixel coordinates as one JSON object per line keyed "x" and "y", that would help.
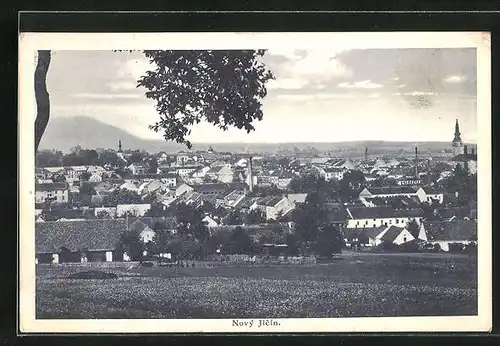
{"x": 57, "y": 192}
{"x": 360, "y": 217}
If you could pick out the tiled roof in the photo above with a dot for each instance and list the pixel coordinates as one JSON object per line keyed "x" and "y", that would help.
{"x": 51, "y": 187}
{"x": 336, "y": 215}
{"x": 50, "y": 237}
{"x": 391, "y": 233}
{"x": 391, "y": 190}
{"x": 270, "y": 201}
{"x": 383, "y": 212}
{"x": 369, "y": 232}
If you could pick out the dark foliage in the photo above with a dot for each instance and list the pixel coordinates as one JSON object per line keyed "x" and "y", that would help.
{"x": 224, "y": 88}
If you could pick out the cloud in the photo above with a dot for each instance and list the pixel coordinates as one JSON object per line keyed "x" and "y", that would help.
{"x": 314, "y": 96}
{"x": 401, "y": 86}
{"x": 134, "y": 68}
{"x": 122, "y": 85}
{"x": 286, "y": 83}
{"x": 105, "y": 96}
{"x": 416, "y": 93}
{"x": 307, "y": 68}
{"x": 366, "y": 84}
{"x": 455, "y": 79}
{"x": 420, "y": 93}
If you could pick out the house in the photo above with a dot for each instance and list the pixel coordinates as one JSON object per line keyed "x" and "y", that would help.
{"x": 466, "y": 158}
{"x": 162, "y": 157}
{"x": 129, "y": 185}
{"x": 185, "y": 171}
{"x": 53, "y": 171}
{"x": 109, "y": 211}
{"x": 138, "y": 168}
{"x": 198, "y": 176}
{"x": 247, "y": 204}
{"x": 57, "y": 192}
{"x": 210, "y": 222}
{"x": 106, "y": 187}
{"x": 296, "y": 198}
{"x": 225, "y": 174}
{"x": 217, "y": 188}
{"x": 444, "y": 233}
{"x": 183, "y": 188}
{"x": 397, "y": 202}
{"x": 337, "y": 216}
{"x": 229, "y": 198}
{"x": 146, "y": 234}
{"x": 134, "y": 209}
{"x": 95, "y": 178}
{"x": 153, "y": 186}
{"x": 388, "y": 191}
{"x": 381, "y": 216}
{"x": 274, "y": 206}
{"x": 79, "y": 241}
{"x": 375, "y": 236}
{"x": 408, "y": 181}
{"x": 393, "y": 234}
{"x": 182, "y": 158}
{"x": 170, "y": 179}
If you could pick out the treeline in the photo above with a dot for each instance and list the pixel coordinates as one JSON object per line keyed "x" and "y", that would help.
{"x": 79, "y": 156}
{"x": 192, "y": 238}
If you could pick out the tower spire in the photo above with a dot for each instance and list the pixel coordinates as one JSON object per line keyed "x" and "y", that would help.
{"x": 119, "y": 145}
{"x": 457, "y": 132}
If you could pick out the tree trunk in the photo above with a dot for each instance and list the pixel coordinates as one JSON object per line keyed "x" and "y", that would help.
{"x": 41, "y": 95}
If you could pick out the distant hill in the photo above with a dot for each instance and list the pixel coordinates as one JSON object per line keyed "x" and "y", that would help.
{"x": 65, "y": 133}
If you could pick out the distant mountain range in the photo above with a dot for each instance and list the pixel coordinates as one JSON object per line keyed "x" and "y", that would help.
{"x": 65, "y": 133}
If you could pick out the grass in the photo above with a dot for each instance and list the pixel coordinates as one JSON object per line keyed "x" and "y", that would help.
{"x": 358, "y": 285}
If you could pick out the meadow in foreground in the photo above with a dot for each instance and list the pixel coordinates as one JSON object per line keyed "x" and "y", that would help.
{"x": 373, "y": 285}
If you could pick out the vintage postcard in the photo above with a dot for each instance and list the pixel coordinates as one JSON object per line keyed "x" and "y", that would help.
{"x": 255, "y": 182}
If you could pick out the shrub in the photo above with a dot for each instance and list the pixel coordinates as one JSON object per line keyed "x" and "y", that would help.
{"x": 456, "y": 247}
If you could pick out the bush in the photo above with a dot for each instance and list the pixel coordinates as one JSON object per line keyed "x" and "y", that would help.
{"x": 471, "y": 248}
{"x": 409, "y": 247}
{"x": 93, "y": 275}
{"x": 456, "y": 247}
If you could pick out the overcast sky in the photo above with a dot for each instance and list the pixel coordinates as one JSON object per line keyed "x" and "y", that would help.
{"x": 327, "y": 95}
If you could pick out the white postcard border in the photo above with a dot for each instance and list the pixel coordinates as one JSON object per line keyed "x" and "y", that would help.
{"x": 30, "y": 42}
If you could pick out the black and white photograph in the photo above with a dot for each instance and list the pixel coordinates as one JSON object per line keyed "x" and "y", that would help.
{"x": 219, "y": 182}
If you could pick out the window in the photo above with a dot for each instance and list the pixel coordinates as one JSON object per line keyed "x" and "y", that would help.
{"x": 397, "y": 220}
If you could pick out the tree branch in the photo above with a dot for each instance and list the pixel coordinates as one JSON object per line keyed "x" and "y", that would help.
{"x": 41, "y": 95}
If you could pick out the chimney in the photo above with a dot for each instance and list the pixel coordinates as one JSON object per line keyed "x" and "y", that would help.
{"x": 416, "y": 162}
{"x": 465, "y": 149}
{"x": 250, "y": 175}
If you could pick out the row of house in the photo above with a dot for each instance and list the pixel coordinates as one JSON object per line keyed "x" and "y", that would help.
{"x": 442, "y": 233}
{"x": 99, "y": 240}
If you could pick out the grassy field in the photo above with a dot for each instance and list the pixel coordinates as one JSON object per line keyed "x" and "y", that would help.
{"x": 354, "y": 286}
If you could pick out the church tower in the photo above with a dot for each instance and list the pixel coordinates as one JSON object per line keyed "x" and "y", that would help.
{"x": 119, "y": 145}
{"x": 457, "y": 145}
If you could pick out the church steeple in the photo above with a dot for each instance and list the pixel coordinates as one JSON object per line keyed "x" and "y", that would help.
{"x": 457, "y": 133}
{"x": 457, "y": 145}
{"x": 119, "y": 145}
